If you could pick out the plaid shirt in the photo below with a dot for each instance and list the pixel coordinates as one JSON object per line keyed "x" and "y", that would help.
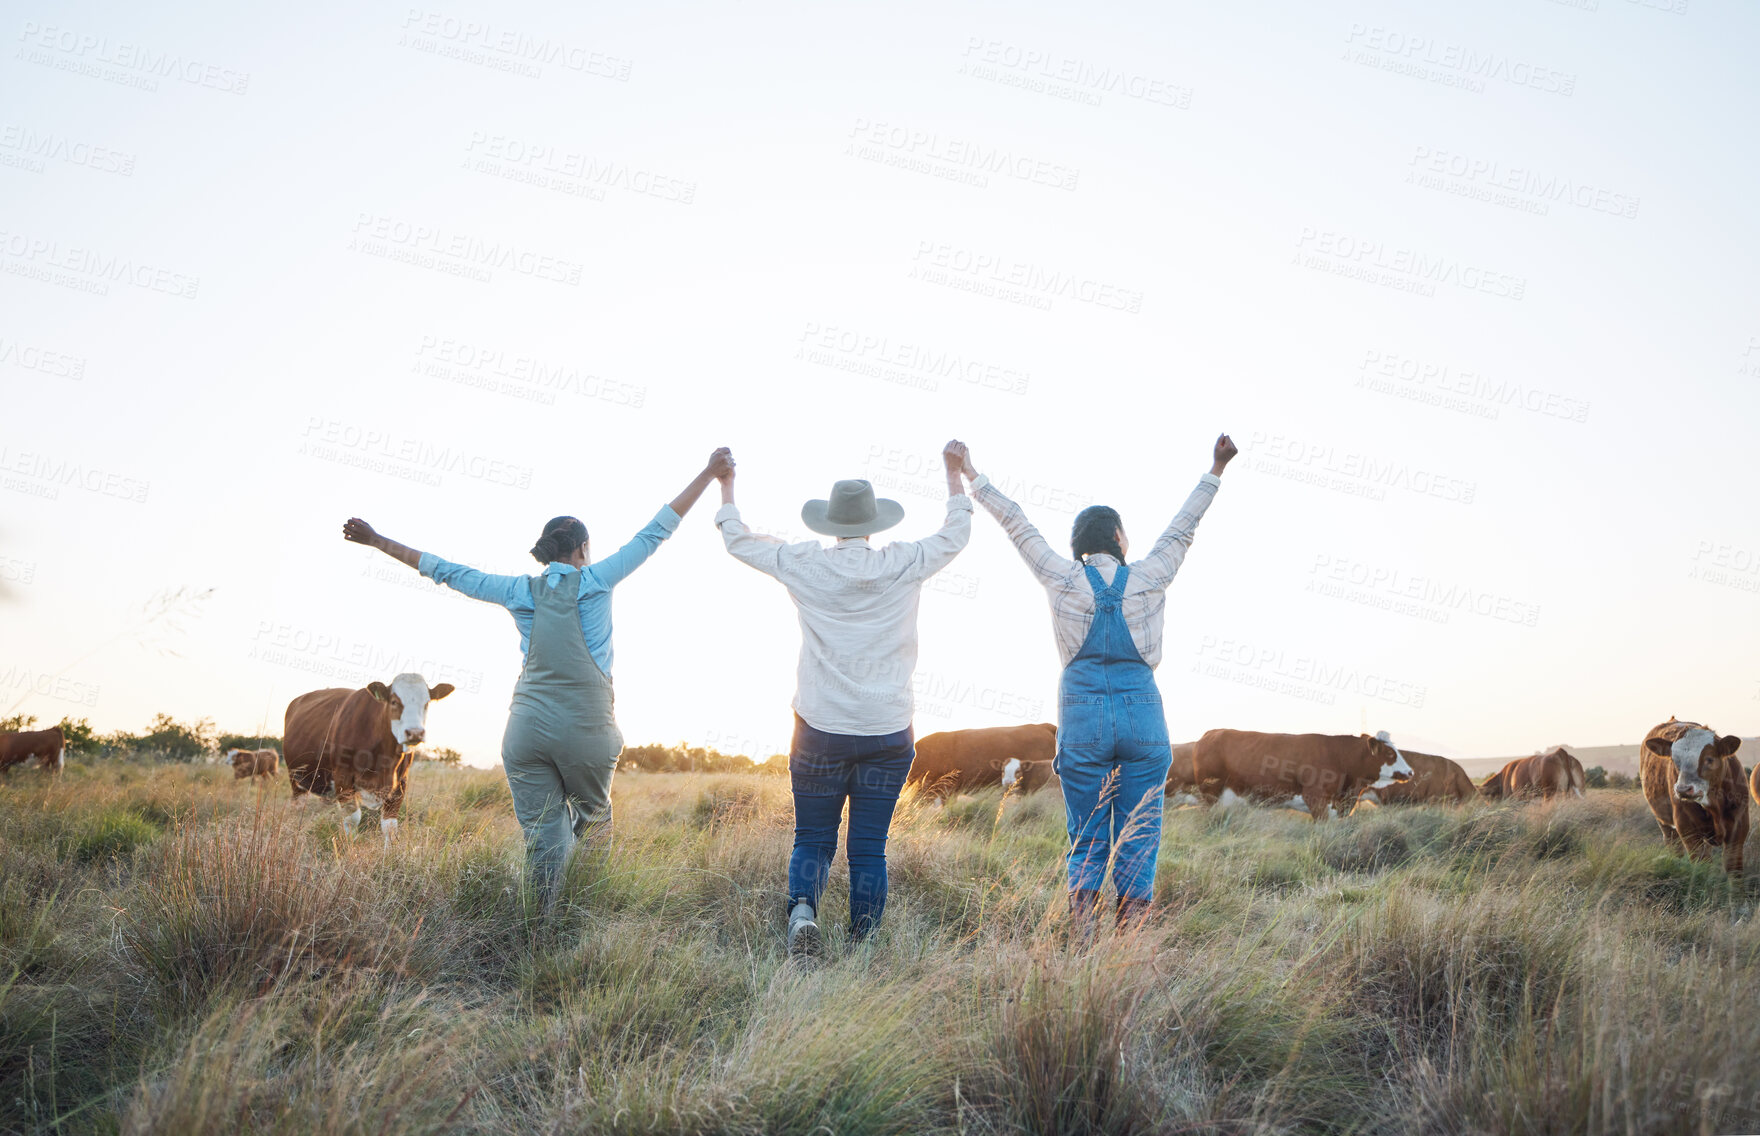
{"x": 1072, "y": 599}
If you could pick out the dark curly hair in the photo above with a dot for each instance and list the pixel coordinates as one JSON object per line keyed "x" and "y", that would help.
{"x": 1096, "y": 530}
{"x": 562, "y": 535}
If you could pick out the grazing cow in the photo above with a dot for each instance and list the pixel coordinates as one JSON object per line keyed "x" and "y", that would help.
{"x": 47, "y": 746}
{"x": 970, "y": 759}
{"x": 253, "y": 763}
{"x": 358, "y": 741}
{"x": 1182, "y": 774}
{"x": 1694, "y": 783}
{"x": 1320, "y": 769}
{"x": 1433, "y": 778}
{"x": 1544, "y": 775}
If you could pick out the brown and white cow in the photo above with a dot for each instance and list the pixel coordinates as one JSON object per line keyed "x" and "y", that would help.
{"x": 361, "y": 742}
{"x": 1545, "y": 775}
{"x": 1182, "y": 774}
{"x": 253, "y": 763}
{"x": 1321, "y": 769}
{"x": 1696, "y": 788}
{"x": 1010, "y": 756}
{"x": 1434, "y": 778}
{"x": 47, "y": 746}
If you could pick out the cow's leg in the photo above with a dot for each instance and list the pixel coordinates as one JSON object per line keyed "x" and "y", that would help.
{"x": 347, "y": 799}
{"x": 1672, "y": 838}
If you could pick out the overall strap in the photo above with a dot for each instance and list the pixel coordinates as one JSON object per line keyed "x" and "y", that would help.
{"x": 1107, "y": 596}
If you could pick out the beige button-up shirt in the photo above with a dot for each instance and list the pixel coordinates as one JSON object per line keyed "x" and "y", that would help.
{"x": 1072, "y": 598}
{"x": 858, "y": 614}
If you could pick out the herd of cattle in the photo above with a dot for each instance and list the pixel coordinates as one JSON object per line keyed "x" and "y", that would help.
{"x": 357, "y": 746}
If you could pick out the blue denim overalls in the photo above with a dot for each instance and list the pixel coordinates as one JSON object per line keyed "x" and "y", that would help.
{"x": 1112, "y": 752}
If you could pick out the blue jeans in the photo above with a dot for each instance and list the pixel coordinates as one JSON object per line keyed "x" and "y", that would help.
{"x": 827, "y": 770}
{"x": 1112, "y": 793}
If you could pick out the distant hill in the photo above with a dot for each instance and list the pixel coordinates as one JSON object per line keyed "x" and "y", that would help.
{"x": 1614, "y": 759}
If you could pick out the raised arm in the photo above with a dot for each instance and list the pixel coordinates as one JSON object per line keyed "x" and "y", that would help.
{"x": 938, "y": 549}
{"x": 761, "y": 550}
{"x": 358, "y": 531}
{"x": 459, "y": 577}
{"x": 1161, "y": 565}
{"x": 615, "y": 568}
{"x": 1040, "y": 558}
{"x": 720, "y": 462}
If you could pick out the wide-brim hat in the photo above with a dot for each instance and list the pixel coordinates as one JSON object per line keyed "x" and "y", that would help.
{"x": 853, "y": 510}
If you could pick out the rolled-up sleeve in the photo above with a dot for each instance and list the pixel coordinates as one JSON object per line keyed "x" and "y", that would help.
{"x": 467, "y": 581}
{"x": 614, "y": 568}
{"x": 760, "y": 550}
{"x": 937, "y": 550}
{"x": 1161, "y": 565}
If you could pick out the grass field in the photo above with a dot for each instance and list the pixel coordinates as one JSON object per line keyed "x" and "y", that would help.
{"x": 181, "y": 954}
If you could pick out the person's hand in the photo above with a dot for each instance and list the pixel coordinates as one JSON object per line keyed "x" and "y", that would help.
{"x": 358, "y": 531}
{"x": 954, "y": 456}
{"x": 721, "y": 464}
{"x": 1224, "y": 453}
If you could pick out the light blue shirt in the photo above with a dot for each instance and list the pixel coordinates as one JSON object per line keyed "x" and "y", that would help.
{"x": 596, "y": 581}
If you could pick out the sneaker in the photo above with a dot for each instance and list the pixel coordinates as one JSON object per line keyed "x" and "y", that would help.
{"x": 804, "y": 941}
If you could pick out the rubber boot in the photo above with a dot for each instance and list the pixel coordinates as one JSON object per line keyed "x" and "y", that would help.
{"x": 1132, "y": 913}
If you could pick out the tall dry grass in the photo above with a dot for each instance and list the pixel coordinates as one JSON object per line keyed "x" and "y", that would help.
{"x": 180, "y": 952}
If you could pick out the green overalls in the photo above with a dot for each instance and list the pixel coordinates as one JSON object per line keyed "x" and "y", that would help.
{"x": 562, "y": 741}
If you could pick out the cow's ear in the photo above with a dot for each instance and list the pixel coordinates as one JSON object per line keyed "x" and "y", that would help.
{"x": 1661, "y": 747}
{"x": 1728, "y": 744}
{"x": 441, "y": 691}
{"x": 379, "y": 691}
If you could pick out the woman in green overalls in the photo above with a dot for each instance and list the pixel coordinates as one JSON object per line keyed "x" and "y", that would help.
{"x": 562, "y": 741}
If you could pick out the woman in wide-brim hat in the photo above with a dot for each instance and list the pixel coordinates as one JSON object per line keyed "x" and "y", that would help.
{"x": 1113, "y": 752}
{"x": 562, "y": 740}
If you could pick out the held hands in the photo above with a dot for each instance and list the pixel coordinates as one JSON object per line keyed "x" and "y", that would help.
{"x": 957, "y": 458}
{"x": 720, "y": 465}
{"x": 1224, "y": 453}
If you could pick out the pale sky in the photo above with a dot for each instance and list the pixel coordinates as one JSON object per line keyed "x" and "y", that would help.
{"x": 1472, "y": 285}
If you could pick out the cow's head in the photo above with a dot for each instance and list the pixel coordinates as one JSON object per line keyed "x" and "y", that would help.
{"x": 406, "y": 699}
{"x": 1700, "y": 758}
{"x": 1392, "y": 763}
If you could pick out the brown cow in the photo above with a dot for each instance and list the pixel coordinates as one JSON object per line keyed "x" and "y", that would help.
{"x": 1182, "y": 775}
{"x": 358, "y": 741}
{"x": 971, "y": 759}
{"x": 1694, "y": 783}
{"x": 1321, "y": 769}
{"x": 253, "y": 763}
{"x": 47, "y": 746}
{"x": 1434, "y": 778}
{"x": 1544, "y": 775}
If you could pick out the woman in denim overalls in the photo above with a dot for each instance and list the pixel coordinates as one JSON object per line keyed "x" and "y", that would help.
{"x": 1112, "y": 745}
{"x": 562, "y": 741}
